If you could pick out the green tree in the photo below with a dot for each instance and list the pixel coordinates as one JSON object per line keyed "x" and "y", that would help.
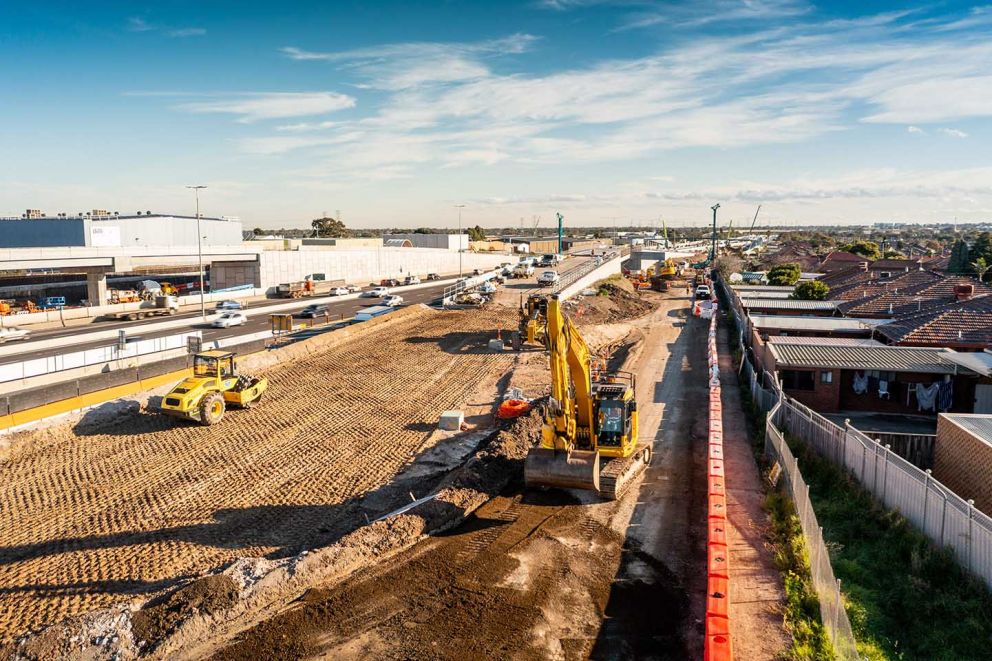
{"x": 257, "y": 231}
{"x": 981, "y": 268}
{"x": 867, "y": 249}
{"x": 982, "y": 247}
{"x": 476, "y": 234}
{"x": 784, "y": 274}
{"x": 893, "y": 254}
{"x": 811, "y": 290}
{"x": 329, "y": 227}
{"x": 726, "y": 265}
{"x": 960, "y": 255}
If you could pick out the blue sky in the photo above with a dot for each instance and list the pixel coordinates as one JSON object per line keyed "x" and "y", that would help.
{"x": 393, "y": 112}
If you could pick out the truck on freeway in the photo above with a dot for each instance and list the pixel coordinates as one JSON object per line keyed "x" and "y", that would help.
{"x": 295, "y": 289}
{"x": 160, "y": 307}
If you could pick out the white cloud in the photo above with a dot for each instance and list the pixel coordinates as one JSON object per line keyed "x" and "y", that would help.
{"x": 303, "y": 127}
{"x": 953, "y": 133}
{"x": 273, "y": 105}
{"x": 410, "y": 64}
{"x": 915, "y": 129}
{"x": 187, "y": 32}
{"x": 137, "y": 24}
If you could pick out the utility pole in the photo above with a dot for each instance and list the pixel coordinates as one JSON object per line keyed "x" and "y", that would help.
{"x": 199, "y": 248}
{"x": 561, "y": 219}
{"x": 460, "y": 207}
{"x": 713, "y": 236}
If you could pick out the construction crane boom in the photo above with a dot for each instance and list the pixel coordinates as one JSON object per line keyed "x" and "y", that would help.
{"x": 751, "y": 231}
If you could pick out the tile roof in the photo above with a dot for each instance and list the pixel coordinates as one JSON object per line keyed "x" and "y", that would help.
{"x": 842, "y": 256}
{"x": 849, "y": 275}
{"x": 957, "y": 323}
{"x": 861, "y": 357}
{"x": 874, "y": 285}
{"x": 908, "y": 293}
{"x": 895, "y": 264}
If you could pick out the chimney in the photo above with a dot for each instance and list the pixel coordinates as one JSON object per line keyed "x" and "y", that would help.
{"x": 964, "y": 292}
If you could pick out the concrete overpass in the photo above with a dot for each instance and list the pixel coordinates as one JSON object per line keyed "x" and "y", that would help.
{"x": 98, "y": 262}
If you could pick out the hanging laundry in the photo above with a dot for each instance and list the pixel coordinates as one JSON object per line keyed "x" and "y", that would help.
{"x": 945, "y": 395}
{"x": 860, "y": 383}
{"x": 926, "y": 396}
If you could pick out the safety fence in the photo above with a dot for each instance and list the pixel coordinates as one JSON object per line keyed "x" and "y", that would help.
{"x": 33, "y": 367}
{"x": 717, "y": 646}
{"x": 828, "y": 588}
{"x": 946, "y": 518}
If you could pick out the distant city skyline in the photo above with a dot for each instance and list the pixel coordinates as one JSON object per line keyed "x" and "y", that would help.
{"x": 607, "y": 111}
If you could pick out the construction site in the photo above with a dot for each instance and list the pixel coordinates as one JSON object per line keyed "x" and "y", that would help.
{"x": 337, "y": 517}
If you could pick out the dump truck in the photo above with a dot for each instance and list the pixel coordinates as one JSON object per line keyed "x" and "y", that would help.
{"x": 214, "y": 386}
{"x": 160, "y": 307}
{"x": 295, "y": 289}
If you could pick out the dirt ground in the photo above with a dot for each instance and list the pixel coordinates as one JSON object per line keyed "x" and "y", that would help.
{"x": 536, "y": 575}
{"x": 108, "y": 509}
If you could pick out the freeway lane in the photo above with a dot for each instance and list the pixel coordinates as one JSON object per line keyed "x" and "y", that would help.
{"x": 258, "y": 320}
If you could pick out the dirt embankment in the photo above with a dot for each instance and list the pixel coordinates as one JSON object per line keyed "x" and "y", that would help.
{"x": 615, "y": 302}
{"x": 121, "y": 507}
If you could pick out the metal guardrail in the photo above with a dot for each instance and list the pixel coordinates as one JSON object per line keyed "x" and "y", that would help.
{"x": 575, "y": 274}
{"x": 451, "y": 291}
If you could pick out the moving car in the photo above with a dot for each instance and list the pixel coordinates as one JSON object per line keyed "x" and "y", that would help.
{"x": 548, "y": 278}
{"x": 224, "y": 306}
{"x": 703, "y": 292}
{"x": 377, "y": 292}
{"x": 339, "y": 291}
{"x": 547, "y": 260}
{"x": 229, "y": 319}
{"x": 354, "y": 289}
{"x": 411, "y": 280}
{"x": 389, "y": 282}
{"x": 433, "y": 276}
{"x": 313, "y": 310}
{"x": 392, "y": 300}
{"x": 12, "y": 333}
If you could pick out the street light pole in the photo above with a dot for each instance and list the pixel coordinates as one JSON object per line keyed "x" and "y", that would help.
{"x": 199, "y": 248}
{"x": 460, "y": 207}
{"x": 713, "y": 237}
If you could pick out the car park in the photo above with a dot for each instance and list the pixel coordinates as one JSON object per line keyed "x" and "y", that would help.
{"x": 392, "y": 300}
{"x": 12, "y": 333}
{"x": 229, "y": 319}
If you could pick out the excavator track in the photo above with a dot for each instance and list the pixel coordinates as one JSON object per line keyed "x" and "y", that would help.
{"x": 616, "y": 475}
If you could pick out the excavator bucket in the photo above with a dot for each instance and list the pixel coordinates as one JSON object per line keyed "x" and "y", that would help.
{"x": 578, "y": 469}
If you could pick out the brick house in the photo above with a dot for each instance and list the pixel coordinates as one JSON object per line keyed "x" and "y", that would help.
{"x": 836, "y": 374}
{"x": 962, "y": 458}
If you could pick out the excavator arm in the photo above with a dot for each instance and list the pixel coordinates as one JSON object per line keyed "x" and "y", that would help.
{"x": 567, "y": 456}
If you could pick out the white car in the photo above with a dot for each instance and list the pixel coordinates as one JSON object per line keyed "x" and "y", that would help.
{"x": 13, "y": 333}
{"x": 548, "y": 278}
{"x": 392, "y": 300}
{"x": 412, "y": 280}
{"x": 229, "y": 319}
{"x": 354, "y": 289}
{"x": 339, "y": 291}
{"x": 703, "y": 293}
{"x": 378, "y": 292}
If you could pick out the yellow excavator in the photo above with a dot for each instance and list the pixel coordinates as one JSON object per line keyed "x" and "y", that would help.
{"x": 214, "y": 385}
{"x": 589, "y": 439}
{"x": 533, "y": 314}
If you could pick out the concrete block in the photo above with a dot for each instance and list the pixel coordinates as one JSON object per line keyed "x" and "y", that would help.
{"x": 451, "y": 420}
{"x": 496, "y": 344}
